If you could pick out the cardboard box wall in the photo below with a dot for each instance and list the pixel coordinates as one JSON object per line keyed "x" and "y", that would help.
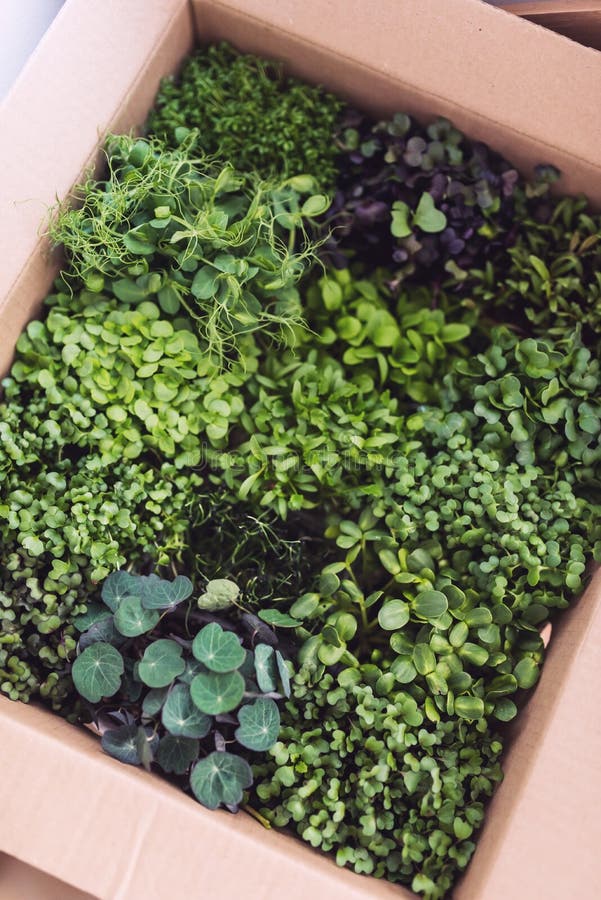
{"x": 112, "y": 831}
{"x": 579, "y": 20}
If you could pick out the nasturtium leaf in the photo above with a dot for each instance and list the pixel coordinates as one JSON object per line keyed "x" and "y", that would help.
{"x": 469, "y": 707}
{"x": 277, "y": 619}
{"x": 283, "y": 673}
{"x": 217, "y": 692}
{"x": 220, "y": 593}
{"x": 193, "y": 668}
{"x": 393, "y": 614}
{"x": 117, "y": 586}
{"x": 131, "y": 619}
{"x": 259, "y": 724}
{"x": 123, "y": 744}
{"x": 153, "y": 701}
{"x": 430, "y": 605}
{"x": 97, "y": 672}
{"x": 102, "y": 630}
{"x": 176, "y": 754}
{"x": 161, "y": 663}
{"x": 219, "y": 650}
{"x": 158, "y": 593}
{"x": 181, "y": 716}
{"x": 265, "y": 668}
{"x": 220, "y": 778}
{"x": 526, "y": 673}
{"x": 95, "y": 612}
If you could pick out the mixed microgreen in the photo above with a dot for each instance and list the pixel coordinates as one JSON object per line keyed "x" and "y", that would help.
{"x": 382, "y": 464}
{"x": 201, "y": 239}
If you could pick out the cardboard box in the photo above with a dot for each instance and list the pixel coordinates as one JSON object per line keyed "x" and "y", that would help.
{"x": 18, "y": 881}
{"x": 113, "y": 831}
{"x": 579, "y": 20}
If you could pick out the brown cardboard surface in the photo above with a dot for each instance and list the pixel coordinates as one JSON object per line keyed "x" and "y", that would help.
{"x": 114, "y": 831}
{"x": 529, "y": 93}
{"x": 19, "y": 881}
{"x": 579, "y": 20}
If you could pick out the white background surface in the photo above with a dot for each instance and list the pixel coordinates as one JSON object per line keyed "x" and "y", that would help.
{"x": 22, "y": 24}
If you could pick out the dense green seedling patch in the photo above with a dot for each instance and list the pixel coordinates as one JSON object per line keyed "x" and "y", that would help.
{"x": 244, "y": 110}
{"x": 360, "y": 772}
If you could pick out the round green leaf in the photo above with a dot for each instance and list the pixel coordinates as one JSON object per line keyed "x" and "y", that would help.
{"x": 473, "y": 653}
{"x": 220, "y": 778}
{"x": 305, "y": 606}
{"x": 161, "y": 663}
{"x": 329, "y": 655}
{"x": 259, "y": 724}
{"x": 176, "y": 754}
{"x": 131, "y": 619}
{"x": 97, "y": 672}
{"x": 181, "y": 717}
{"x": 423, "y": 659}
{"x": 526, "y": 673}
{"x": 205, "y": 283}
{"x": 469, "y": 707}
{"x": 219, "y": 594}
{"x": 217, "y": 692}
{"x": 430, "y": 604}
{"x": 505, "y": 710}
{"x": 219, "y": 650}
{"x": 393, "y": 614}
